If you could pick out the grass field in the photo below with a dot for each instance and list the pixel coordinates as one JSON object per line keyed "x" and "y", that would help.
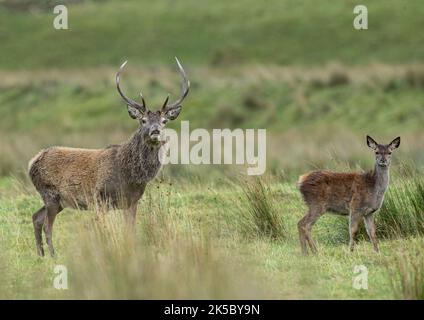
{"x": 296, "y": 68}
{"x": 199, "y": 241}
{"x": 220, "y": 34}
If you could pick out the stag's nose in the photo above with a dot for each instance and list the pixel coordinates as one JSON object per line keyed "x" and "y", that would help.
{"x": 155, "y": 132}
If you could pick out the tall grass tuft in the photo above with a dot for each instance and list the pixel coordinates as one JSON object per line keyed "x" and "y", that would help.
{"x": 402, "y": 213}
{"x": 258, "y": 214}
{"x": 406, "y": 272}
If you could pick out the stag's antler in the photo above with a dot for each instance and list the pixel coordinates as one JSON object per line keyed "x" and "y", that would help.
{"x": 184, "y": 90}
{"x": 141, "y": 107}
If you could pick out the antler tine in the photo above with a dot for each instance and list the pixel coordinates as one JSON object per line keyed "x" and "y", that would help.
{"x": 184, "y": 88}
{"x": 166, "y": 102}
{"x": 130, "y": 102}
{"x": 142, "y": 99}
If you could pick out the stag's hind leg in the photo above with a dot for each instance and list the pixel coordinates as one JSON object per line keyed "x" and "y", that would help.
{"x": 305, "y": 227}
{"x": 38, "y": 221}
{"x": 52, "y": 208}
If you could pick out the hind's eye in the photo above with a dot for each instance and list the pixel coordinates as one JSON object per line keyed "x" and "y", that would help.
{"x": 143, "y": 120}
{"x": 164, "y": 121}
{"x": 377, "y": 153}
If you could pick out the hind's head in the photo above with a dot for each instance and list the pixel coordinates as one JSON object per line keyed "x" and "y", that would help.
{"x": 383, "y": 152}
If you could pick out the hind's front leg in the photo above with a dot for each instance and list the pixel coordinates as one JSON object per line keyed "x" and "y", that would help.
{"x": 354, "y": 220}
{"x": 370, "y": 227}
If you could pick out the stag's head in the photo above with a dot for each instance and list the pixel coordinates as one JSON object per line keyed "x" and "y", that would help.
{"x": 383, "y": 152}
{"x": 152, "y": 123}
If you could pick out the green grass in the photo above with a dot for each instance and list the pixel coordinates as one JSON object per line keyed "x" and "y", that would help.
{"x": 280, "y": 32}
{"x": 407, "y": 271}
{"x": 191, "y": 233}
{"x": 402, "y": 213}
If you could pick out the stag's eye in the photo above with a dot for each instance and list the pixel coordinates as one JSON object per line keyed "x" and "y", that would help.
{"x": 164, "y": 121}
{"x": 377, "y": 153}
{"x": 143, "y": 120}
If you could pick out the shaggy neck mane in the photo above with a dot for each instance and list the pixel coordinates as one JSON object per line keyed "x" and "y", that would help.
{"x": 139, "y": 159}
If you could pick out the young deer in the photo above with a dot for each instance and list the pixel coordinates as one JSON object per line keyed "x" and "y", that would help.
{"x": 114, "y": 177}
{"x": 358, "y": 195}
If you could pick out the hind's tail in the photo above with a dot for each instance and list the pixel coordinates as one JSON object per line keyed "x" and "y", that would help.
{"x": 302, "y": 179}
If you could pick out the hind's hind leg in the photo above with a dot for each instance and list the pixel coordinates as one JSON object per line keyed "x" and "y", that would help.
{"x": 38, "y": 221}
{"x": 305, "y": 227}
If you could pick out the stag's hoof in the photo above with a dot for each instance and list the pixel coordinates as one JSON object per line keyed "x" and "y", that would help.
{"x": 40, "y": 252}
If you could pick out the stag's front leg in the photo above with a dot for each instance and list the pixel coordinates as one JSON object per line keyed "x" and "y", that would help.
{"x": 130, "y": 216}
{"x": 131, "y": 211}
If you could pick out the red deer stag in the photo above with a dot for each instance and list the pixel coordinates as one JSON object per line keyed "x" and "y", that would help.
{"x": 115, "y": 176}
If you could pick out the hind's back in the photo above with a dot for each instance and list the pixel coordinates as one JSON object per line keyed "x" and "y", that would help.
{"x": 331, "y": 190}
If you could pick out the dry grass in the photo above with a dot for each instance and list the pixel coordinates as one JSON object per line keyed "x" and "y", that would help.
{"x": 328, "y": 75}
{"x": 167, "y": 259}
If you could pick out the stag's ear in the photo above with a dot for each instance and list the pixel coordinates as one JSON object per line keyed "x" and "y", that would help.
{"x": 371, "y": 143}
{"x": 134, "y": 112}
{"x": 394, "y": 144}
{"x": 173, "y": 113}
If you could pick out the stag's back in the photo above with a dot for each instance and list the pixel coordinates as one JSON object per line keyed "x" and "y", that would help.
{"x": 70, "y": 173}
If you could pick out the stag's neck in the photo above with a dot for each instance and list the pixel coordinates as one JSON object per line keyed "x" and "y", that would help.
{"x": 139, "y": 159}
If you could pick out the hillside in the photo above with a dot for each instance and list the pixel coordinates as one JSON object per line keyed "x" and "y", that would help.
{"x": 291, "y": 32}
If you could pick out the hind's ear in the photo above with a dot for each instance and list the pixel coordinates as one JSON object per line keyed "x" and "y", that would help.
{"x": 372, "y": 143}
{"x": 394, "y": 144}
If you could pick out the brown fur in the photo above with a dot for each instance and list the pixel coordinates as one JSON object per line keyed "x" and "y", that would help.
{"x": 336, "y": 191}
{"x": 114, "y": 177}
{"x": 356, "y": 194}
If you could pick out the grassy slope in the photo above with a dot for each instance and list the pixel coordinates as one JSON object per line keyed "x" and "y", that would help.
{"x": 281, "y": 32}
{"x": 84, "y": 110}
{"x": 246, "y": 33}
{"x": 234, "y": 55}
